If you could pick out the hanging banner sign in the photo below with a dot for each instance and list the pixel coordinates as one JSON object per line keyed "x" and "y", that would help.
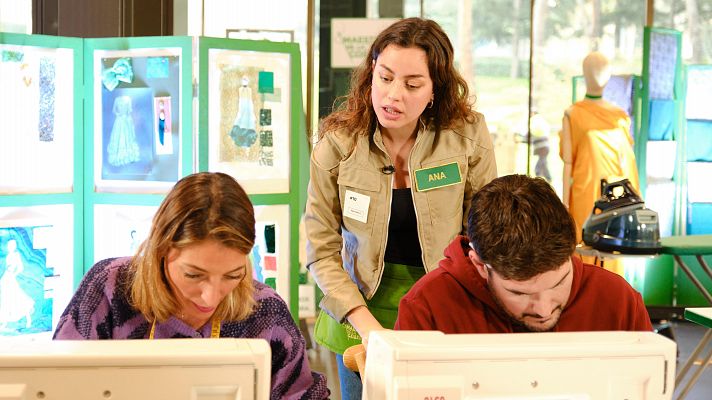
{"x": 351, "y": 38}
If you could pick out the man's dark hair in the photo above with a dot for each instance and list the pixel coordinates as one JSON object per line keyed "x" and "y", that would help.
{"x": 519, "y": 226}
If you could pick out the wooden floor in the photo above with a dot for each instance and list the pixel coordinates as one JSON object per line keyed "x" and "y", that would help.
{"x": 686, "y": 335}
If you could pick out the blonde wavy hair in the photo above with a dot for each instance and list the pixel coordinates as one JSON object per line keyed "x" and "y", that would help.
{"x": 202, "y": 206}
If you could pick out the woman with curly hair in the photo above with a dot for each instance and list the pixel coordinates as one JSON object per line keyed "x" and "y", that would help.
{"x": 392, "y": 176}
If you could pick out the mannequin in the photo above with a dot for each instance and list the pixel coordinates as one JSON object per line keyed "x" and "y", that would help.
{"x": 595, "y": 143}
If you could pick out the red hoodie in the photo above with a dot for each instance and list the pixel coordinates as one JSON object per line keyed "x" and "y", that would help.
{"x": 455, "y": 299}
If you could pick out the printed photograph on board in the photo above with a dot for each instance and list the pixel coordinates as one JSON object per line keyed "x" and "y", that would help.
{"x": 25, "y": 306}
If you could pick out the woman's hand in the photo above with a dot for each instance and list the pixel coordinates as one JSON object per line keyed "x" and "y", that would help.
{"x": 364, "y": 322}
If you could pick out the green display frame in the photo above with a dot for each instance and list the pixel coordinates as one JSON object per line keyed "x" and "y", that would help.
{"x": 659, "y": 279}
{"x": 74, "y": 197}
{"x": 132, "y": 196}
{"x": 642, "y": 140}
{"x": 40, "y": 203}
{"x": 90, "y": 135}
{"x": 294, "y": 195}
{"x": 686, "y": 293}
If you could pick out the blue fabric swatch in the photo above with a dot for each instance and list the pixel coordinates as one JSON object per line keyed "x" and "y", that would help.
{"x": 699, "y": 140}
{"x": 12, "y": 56}
{"x": 662, "y": 113}
{"x": 121, "y": 71}
{"x": 157, "y": 67}
{"x": 699, "y": 219}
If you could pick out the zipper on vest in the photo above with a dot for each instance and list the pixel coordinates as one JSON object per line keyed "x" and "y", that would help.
{"x": 413, "y": 189}
{"x": 382, "y": 252}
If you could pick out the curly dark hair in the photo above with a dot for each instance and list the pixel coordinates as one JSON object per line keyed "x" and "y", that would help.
{"x": 451, "y": 105}
{"x": 519, "y": 226}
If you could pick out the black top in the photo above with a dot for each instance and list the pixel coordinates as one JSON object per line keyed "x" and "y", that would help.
{"x": 403, "y": 245}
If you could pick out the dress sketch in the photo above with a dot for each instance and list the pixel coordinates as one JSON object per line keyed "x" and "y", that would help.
{"x": 123, "y": 148}
{"x": 243, "y": 131}
{"x": 14, "y": 302}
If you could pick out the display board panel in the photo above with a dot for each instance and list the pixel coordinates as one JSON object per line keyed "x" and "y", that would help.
{"x": 137, "y": 119}
{"x": 249, "y": 121}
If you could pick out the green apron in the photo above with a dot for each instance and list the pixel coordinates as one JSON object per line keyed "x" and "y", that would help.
{"x": 397, "y": 279}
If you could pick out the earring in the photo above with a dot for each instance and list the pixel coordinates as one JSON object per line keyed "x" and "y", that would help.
{"x": 430, "y": 105}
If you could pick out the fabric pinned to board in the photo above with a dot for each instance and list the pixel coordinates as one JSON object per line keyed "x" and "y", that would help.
{"x": 662, "y": 115}
{"x": 663, "y": 65}
{"x": 699, "y": 140}
{"x": 121, "y": 71}
{"x": 699, "y": 219}
{"x": 619, "y": 91}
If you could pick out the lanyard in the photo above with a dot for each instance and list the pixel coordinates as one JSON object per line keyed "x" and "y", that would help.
{"x": 214, "y": 329}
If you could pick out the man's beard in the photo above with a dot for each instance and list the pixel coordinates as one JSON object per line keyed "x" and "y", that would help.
{"x": 517, "y": 322}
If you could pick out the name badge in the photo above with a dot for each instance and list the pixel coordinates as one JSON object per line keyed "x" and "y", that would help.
{"x": 436, "y": 177}
{"x": 356, "y": 206}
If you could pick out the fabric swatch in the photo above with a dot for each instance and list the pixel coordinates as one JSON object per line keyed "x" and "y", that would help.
{"x": 265, "y": 117}
{"x": 12, "y": 56}
{"x": 157, "y": 67}
{"x": 699, "y": 140}
{"x": 663, "y": 62}
{"x": 266, "y": 138}
{"x": 47, "y": 98}
{"x": 619, "y": 91}
{"x": 699, "y": 219}
{"x": 270, "y": 238}
{"x": 265, "y": 82}
{"x": 661, "y": 118}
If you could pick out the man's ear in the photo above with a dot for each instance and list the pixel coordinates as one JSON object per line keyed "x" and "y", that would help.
{"x": 477, "y": 262}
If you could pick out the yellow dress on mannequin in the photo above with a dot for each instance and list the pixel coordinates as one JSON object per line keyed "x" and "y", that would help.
{"x": 595, "y": 144}
{"x": 601, "y": 148}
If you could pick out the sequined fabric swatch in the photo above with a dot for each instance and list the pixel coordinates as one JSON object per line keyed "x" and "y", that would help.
{"x": 47, "y": 88}
{"x": 663, "y": 63}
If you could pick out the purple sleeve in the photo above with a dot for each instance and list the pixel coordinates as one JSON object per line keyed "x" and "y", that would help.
{"x": 99, "y": 308}
{"x": 292, "y": 378}
{"x": 88, "y": 307}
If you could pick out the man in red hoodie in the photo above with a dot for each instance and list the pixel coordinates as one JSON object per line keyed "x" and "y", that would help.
{"x": 517, "y": 272}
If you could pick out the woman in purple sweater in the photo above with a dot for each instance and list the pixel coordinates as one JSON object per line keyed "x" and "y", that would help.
{"x": 191, "y": 278}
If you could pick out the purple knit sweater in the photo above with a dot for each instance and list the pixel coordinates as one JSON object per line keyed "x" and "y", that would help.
{"x": 100, "y": 310}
